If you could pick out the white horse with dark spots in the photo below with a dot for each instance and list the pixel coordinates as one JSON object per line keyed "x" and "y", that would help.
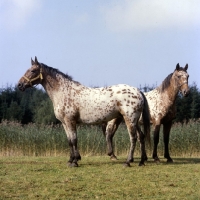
{"x": 74, "y": 103}
{"x": 162, "y": 109}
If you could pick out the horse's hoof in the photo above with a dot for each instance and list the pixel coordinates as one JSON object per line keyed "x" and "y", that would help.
{"x": 127, "y": 164}
{"x": 79, "y": 157}
{"x": 69, "y": 164}
{"x": 156, "y": 160}
{"x": 141, "y": 164}
{"x": 110, "y": 153}
{"x": 169, "y": 160}
{"x": 74, "y": 164}
{"x": 113, "y": 157}
{"x": 131, "y": 160}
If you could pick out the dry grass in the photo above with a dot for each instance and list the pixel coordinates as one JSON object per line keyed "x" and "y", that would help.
{"x": 40, "y": 140}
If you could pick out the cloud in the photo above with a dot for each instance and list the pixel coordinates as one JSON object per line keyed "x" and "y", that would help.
{"x": 15, "y": 13}
{"x": 129, "y": 15}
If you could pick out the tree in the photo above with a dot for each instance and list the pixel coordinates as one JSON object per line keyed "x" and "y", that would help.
{"x": 14, "y": 112}
{"x": 195, "y": 105}
{"x": 34, "y": 105}
{"x": 44, "y": 114}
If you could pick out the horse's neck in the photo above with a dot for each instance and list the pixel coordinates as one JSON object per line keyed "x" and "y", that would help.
{"x": 56, "y": 87}
{"x": 170, "y": 93}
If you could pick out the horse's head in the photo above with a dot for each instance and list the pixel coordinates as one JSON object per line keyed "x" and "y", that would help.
{"x": 181, "y": 79}
{"x": 32, "y": 76}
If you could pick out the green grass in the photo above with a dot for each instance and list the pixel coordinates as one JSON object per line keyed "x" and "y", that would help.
{"x": 98, "y": 178}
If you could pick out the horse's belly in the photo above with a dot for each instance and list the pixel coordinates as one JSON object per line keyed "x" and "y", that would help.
{"x": 97, "y": 118}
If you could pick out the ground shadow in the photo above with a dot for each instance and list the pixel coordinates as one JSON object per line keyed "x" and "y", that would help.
{"x": 107, "y": 161}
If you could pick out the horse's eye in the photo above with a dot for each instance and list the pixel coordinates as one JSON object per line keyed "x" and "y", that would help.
{"x": 33, "y": 71}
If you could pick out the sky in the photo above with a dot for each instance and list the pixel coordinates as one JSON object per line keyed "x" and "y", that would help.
{"x": 101, "y": 43}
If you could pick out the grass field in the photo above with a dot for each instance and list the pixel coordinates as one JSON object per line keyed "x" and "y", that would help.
{"x": 33, "y": 165}
{"x": 98, "y": 178}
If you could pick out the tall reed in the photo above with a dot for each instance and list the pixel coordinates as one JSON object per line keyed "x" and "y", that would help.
{"x": 40, "y": 140}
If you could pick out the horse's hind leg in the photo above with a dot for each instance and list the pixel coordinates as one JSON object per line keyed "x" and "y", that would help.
{"x": 166, "y": 133}
{"x": 133, "y": 138}
{"x": 109, "y": 132}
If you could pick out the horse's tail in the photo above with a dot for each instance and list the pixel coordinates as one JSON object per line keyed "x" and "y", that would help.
{"x": 146, "y": 120}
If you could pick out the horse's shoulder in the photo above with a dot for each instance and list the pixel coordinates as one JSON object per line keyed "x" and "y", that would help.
{"x": 153, "y": 95}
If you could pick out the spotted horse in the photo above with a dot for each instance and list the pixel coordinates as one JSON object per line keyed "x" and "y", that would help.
{"x": 161, "y": 102}
{"x": 74, "y": 103}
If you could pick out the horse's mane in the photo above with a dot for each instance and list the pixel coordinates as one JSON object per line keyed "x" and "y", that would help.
{"x": 165, "y": 84}
{"x": 54, "y": 71}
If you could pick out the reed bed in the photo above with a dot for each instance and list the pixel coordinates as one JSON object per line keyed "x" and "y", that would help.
{"x": 41, "y": 140}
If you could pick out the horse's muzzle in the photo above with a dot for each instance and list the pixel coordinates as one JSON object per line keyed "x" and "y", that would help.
{"x": 185, "y": 92}
{"x": 21, "y": 86}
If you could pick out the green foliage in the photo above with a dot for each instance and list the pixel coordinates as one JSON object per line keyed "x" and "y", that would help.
{"x": 14, "y": 111}
{"x": 44, "y": 113}
{"x": 34, "y": 105}
{"x": 195, "y": 105}
{"x": 188, "y": 107}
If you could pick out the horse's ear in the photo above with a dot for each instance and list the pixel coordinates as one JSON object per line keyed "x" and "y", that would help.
{"x": 177, "y": 66}
{"x": 32, "y": 62}
{"x": 186, "y": 67}
{"x": 36, "y": 61}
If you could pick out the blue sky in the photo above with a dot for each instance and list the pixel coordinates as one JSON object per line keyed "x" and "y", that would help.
{"x": 101, "y": 43}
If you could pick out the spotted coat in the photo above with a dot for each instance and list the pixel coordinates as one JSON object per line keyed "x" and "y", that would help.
{"x": 161, "y": 102}
{"x": 162, "y": 99}
{"x": 74, "y": 103}
{"x": 93, "y": 105}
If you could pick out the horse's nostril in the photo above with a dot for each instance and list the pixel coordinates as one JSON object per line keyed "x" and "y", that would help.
{"x": 20, "y": 85}
{"x": 185, "y": 92}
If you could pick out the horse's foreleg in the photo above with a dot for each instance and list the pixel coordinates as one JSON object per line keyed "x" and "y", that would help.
{"x": 71, "y": 158}
{"x": 109, "y": 132}
{"x": 70, "y": 129}
{"x": 109, "y": 141}
{"x": 77, "y": 156}
{"x": 156, "y": 141}
{"x": 166, "y": 133}
{"x": 141, "y": 138}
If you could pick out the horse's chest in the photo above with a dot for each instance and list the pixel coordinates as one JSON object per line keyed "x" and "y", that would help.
{"x": 158, "y": 105}
{"x": 64, "y": 107}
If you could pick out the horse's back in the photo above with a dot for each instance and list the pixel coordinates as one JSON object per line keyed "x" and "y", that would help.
{"x": 123, "y": 96}
{"x": 103, "y": 104}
